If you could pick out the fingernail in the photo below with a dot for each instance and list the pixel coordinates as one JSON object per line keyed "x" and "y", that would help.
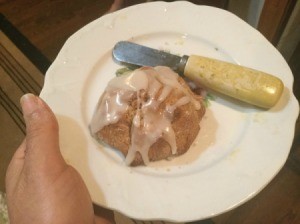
{"x": 29, "y": 103}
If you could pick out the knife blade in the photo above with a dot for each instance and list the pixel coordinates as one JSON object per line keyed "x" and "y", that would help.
{"x": 245, "y": 84}
{"x": 134, "y": 55}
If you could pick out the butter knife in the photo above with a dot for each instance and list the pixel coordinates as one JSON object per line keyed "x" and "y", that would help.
{"x": 246, "y": 84}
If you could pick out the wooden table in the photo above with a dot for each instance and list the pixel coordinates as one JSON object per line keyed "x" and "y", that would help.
{"x": 47, "y": 24}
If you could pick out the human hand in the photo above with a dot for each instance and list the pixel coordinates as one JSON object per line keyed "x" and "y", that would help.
{"x": 40, "y": 186}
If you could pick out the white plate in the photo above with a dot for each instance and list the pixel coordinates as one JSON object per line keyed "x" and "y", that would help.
{"x": 239, "y": 149}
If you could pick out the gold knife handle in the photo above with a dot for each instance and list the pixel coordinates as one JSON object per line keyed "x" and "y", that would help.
{"x": 246, "y": 84}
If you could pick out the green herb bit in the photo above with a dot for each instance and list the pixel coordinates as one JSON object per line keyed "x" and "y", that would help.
{"x": 122, "y": 71}
{"x": 207, "y": 99}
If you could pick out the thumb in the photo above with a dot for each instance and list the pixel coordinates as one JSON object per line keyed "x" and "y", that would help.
{"x": 42, "y": 143}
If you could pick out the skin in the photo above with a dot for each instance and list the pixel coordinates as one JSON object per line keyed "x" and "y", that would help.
{"x": 41, "y": 188}
{"x": 117, "y": 4}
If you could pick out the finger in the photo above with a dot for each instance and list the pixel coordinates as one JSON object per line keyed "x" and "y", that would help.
{"x": 19, "y": 154}
{"x": 15, "y": 166}
{"x": 117, "y": 4}
{"x": 17, "y": 160}
{"x": 42, "y": 143}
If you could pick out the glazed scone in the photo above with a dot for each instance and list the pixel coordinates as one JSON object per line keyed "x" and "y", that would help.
{"x": 149, "y": 114}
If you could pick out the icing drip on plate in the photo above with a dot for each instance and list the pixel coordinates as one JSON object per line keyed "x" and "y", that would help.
{"x": 153, "y": 118}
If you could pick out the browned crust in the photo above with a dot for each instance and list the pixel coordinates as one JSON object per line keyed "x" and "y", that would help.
{"x": 185, "y": 124}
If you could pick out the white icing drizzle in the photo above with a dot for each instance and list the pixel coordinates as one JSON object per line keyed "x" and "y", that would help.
{"x": 182, "y": 101}
{"x": 150, "y": 121}
{"x": 167, "y": 77}
{"x": 111, "y": 106}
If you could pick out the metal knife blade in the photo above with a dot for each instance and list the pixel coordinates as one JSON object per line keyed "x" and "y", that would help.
{"x": 126, "y": 52}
